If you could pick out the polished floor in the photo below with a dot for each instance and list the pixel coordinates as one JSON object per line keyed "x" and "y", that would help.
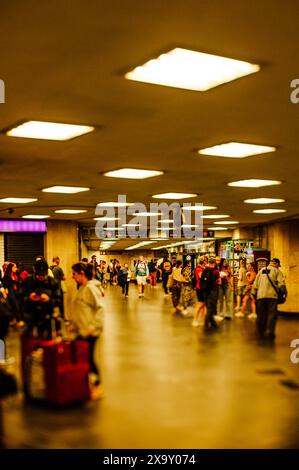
{"x": 168, "y": 385}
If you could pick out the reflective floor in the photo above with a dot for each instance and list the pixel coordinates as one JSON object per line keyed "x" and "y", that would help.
{"x": 168, "y": 385}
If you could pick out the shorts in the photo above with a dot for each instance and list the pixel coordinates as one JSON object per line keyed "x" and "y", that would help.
{"x": 200, "y": 295}
{"x": 241, "y": 290}
{"x": 141, "y": 280}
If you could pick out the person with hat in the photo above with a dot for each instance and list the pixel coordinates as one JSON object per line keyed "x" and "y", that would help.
{"x": 266, "y": 288}
{"x": 40, "y": 296}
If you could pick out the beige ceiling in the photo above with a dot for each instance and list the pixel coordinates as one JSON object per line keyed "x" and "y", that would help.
{"x": 64, "y": 61}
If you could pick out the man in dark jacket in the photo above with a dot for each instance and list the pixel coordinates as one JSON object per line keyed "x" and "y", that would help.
{"x": 40, "y": 299}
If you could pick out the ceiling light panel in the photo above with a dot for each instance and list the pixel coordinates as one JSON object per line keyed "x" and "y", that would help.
{"x": 191, "y": 70}
{"x": 17, "y": 200}
{"x": 226, "y": 222}
{"x": 253, "y": 183}
{"x": 48, "y": 130}
{"x": 199, "y": 208}
{"x": 268, "y": 211}
{"x": 133, "y": 173}
{"x": 65, "y": 189}
{"x": 215, "y": 216}
{"x": 264, "y": 200}
{"x": 236, "y": 150}
{"x": 35, "y": 216}
{"x": 70, "y": 211}
{"x": 173, "y": 195}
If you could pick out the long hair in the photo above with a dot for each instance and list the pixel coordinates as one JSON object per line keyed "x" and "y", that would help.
{"x": 86, "y": 269}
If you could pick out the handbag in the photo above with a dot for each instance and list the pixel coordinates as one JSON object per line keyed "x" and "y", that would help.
{"x": 281, "y": 293}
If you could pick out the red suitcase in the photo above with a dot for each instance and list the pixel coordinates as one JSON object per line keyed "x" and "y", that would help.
{"x": 66, "y": 366}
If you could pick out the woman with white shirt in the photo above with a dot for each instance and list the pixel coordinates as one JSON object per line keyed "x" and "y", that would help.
{"x": 87, "y": 317}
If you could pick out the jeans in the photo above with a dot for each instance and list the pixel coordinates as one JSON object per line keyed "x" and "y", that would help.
{"x": 125, "y": 287}
{"x": 211, "y": 303}
{"x": 266, "y": 310}
{"x": 225, "y": 298}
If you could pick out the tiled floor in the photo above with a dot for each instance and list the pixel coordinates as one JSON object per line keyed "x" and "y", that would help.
{"x": 169, "y": 385}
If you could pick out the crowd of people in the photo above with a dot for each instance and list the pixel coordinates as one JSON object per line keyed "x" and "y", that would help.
{"x": 34, "y": 302}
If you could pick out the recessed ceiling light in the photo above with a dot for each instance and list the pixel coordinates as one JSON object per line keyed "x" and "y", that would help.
{"x": 191, "y": 70}
{"x": 65, "y": 189}
{"x": 17, "y": 200}
{"x": 165, "y": 228}
{"x": 133, "y": 173}
{"x": 268, "y": 211}
{"x": 35, "y": 216}
{"x": 173, "y": 196}
{"x": 189, "y": 226}
{"x": 253, "y": 183}
{"x": 110, "y": 229}
{"x": 215, "y": 216}
{"x": 166, "y": 221}
{"x": 236, "y": 150}
{"x": 217, "y": 228}
{"x": 70, "y": 211}
{"x": 115, "y": 204}
{"x": 162, "y": 239}
{"x": 198, "y": 208}
{"x": 48, "y": 130}
{"x": 106, "y": 219}
{"x": 263, "y": 200}
{"x": 146, "y": 214}
{"x": 226, "y": 222}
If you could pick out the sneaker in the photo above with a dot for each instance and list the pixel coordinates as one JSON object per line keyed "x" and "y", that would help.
{"x": 227, "y": 317}
{"x": 218, "y": 318}
{"x": 239, "y": 315}
{"x": 195, "y": 323}
{"x": 252, "y": 316}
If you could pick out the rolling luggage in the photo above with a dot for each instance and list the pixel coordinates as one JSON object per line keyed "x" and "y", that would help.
{"x": 65, "y": 365}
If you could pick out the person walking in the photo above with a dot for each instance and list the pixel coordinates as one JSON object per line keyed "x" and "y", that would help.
{"x": 251, "y": 275}
{"x": 187, "y": 294}
{"x": 241, "y": 286}
{"x": 87, "y": 318}
{"x": 177, "y": 281}
{"x": 225, "y": 290}
{"x": 269, "y": 284}
{"x": 152, "y": 267}
{"x": 200, "y": 310}
{"x": 59, "y": 277}
{"x": 166, "y": 267}
{"x": 124, "y": 277}
{"x": 209, "y": 282}
{"x": 141, "y": 272}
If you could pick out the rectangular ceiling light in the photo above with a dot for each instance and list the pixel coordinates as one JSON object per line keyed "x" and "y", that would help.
{"x": 35, "y": 216}
{"x": 215, "y": 216}
{"x": 226, "y": 222}
{"x": 253, "y": 183}
{"x": 217, "y": 228}
{"x": 268, "y": 211}
{"x": 115, "y": 204}
{"x": 131, "y": 225}
{"x": 236, "y": 150}
{"x": 263, "y": 200}
{"x": 173, "y": 196}
{"x": 70, "y": 211}
{"x": 48, "y": 130}
{"x": 199, "y": 208}
{"x": 17, "y": 200}
{"x": 114, "y": 229}
{"x": 65, "y": 189}
{"x": 133, "y": 173}
{"x": 191, "y": 70}
{"x": 139, "y": 245}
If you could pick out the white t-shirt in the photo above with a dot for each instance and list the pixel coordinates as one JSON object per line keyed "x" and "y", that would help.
{"x": 88, "y": 310}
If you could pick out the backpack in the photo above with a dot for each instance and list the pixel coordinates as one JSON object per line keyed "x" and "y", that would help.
{"x": 206, "y": 280}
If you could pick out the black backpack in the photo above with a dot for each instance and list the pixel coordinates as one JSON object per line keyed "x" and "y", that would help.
{"x": 206, "y": 280}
